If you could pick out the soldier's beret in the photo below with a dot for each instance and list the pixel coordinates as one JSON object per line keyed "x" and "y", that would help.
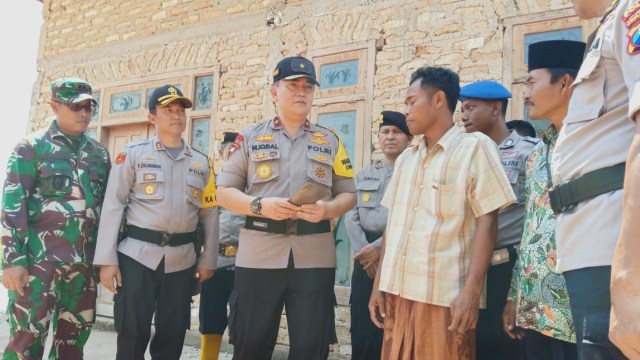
{"x": 556, "y": 54}
{"x": 485, "y": 90}
{"x": 394, "y": 118}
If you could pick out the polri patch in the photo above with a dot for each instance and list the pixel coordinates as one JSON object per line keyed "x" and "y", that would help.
{"x": 631, "y": 18}
{"x": 264, "y": 171}
{"x": 150, "y": 189}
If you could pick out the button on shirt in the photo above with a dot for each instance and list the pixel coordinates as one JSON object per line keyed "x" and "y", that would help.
{"x": 162, "y": 194}
{"x": 434, "y": 197}
{"x": 270, "y": 163}
{"x": 514, "y": 151}
{"x": 368, "y": 215}
{"x": 597, "y": 133}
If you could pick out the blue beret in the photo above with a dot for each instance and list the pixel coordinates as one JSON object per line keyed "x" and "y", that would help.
{"x": 394, "y": 118}
{"x": 485, "y": 90}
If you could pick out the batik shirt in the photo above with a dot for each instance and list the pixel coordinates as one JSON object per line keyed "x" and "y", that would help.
{"x": 539, "y": 291}
{"x": 52, "y": 198}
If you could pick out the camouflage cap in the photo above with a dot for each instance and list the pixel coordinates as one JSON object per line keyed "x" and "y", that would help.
{"x": 71, "y": 90}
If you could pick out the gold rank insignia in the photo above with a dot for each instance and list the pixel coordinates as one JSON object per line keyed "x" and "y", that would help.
{"x": 196, "y": 165}
{"x": 301, "y": 66}
{"x": 150, "y": 189}
{"x": 319, "y": 141}
{"x": 320, "y": 157}
{"x": 276, "y": 72}
{"x": 380, "y": 119}
{"x": 158, "y": 146}
{"x": 260, "y": 156}
{"x": 196, "y": 193}
{"x": 149, "y": 177}
{"x": 148, "y": 158}
{"x": 320, "y": 172}
{"x": 264, "y": 171}
{"x": 318, "y": 134}
{"x": 365, "y": 197}
{"x": 266, "y": 138}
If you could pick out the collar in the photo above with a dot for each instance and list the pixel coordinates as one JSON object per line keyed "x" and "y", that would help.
{"x": 56, "y": 133}
{"x": 550, "y": 135}
{"x": 276, "y": 124}
{"x": 511, "y": 140}
{"x": 158, "y": 145}
{"x": 446, "y": 141}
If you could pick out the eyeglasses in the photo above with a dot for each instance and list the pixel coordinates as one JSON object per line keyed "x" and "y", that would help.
{"x": 295, "y": 86}
{"x": 75, "y": 107}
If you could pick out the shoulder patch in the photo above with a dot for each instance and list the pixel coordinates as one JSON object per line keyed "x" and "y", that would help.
{"x": 120, "y": 158}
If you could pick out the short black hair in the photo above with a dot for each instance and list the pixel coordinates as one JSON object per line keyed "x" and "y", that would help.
{"x": 523, "y": 128}
{"x": 441, "y": 79}
{"x": 504, "y": 103}
{"x": 557, "y": 73}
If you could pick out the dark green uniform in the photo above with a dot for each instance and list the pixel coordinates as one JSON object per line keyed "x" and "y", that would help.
{"x": 52, "y": 199}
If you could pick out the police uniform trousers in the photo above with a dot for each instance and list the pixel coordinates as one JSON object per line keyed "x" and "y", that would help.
{"x": 214, "y": 298}
{"x": 492, "y": 342}
{"x": 256, "y": 308}
{"x": 366, "y": 338}
{"x": 60, "y": 294}
{"x": 590, "y": 297}
{"x": 146, "y": 292}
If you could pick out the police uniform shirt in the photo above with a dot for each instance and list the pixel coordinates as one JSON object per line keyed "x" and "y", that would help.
{"x": 368, "y": 214}
{"x": 230, "y": 225}
{"x": 597, "y": 133}
{"x": 270, "y": 163}
{"x": 163, "y": 194}
{"x": 515, "y": 150}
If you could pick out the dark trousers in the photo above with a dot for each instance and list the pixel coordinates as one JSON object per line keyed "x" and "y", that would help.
{"x": 366, "y": 338}
{"x": 542, "y": 347}
{"x": 214, "y": 298}
{"x": 256, "y": 307}
{"x": 143, "y": 293}
{"x": 492, "y": 343}
{"x": 590, "y": 307}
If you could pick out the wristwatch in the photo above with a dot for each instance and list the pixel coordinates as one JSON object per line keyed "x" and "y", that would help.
{"x": 256, "y": 205}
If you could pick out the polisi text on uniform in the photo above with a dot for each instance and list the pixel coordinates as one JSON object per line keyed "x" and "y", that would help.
{"x": 256, "y": 147}
{"x": 319, "y": 149}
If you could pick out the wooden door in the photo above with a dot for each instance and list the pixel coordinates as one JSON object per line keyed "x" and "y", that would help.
{"x": 118, "y": 137}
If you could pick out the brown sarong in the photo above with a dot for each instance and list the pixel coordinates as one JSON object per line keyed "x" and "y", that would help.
{"x": 415, "y": 330}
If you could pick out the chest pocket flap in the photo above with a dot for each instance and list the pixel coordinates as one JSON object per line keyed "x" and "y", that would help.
{"x": 320, "y": 168}
{"x": 56, "y": 179}
{"x": 149, "y": 184}
{"x": 195, "y": 185}
{"x": 588, "y": 94}
{"x": 369, "y": 194}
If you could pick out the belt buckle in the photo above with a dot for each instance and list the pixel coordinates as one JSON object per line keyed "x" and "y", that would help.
{"x": 165, "y": 239}
{"x": 227, "y": 250}
{"x": 291, "y": 227}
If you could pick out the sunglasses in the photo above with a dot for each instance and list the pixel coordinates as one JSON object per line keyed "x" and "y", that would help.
{"x": 75, "y": 107}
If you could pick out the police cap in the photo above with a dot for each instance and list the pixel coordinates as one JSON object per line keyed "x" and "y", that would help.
{"x": 165, "y": 95}
{"x": 294, "y": 67}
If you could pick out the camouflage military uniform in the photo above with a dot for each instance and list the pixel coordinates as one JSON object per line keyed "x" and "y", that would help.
{"x": 52, "y": 198}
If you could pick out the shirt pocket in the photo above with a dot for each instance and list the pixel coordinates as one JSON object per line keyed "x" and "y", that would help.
{"x": 262, "y": 170}
{"x": 513, "y": 174}
{"x": 588, "y": 99}
{"x": 368, "y": 194}
{"x": 149, "y": 185}
{"x": 195, "y": 185}
{"x": 55, "y": 179}
{"x": 98, "y": 181}
{"x": 447, "y": 200}
{"x": 320, "y": 168}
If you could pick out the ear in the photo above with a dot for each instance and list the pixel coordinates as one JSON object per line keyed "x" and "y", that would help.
{"x": 439, "y": 100}
{"x": 497, "y": 108}
{"x": 151, "y": 118}
{"x": 274, "y": 93}
{"x": 54, "y": 107}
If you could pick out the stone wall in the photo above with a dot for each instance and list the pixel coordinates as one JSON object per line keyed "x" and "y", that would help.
{"x": 117, "y": 41}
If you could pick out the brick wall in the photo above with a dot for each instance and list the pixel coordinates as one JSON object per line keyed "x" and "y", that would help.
{"x": 118, "y": 41}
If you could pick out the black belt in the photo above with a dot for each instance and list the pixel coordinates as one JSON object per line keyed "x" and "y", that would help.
{"x": 566, "y": 196}
{"x": 287, "y": 227}
{"x": 160, "y": 237}
{"x": 372, "y": 236}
